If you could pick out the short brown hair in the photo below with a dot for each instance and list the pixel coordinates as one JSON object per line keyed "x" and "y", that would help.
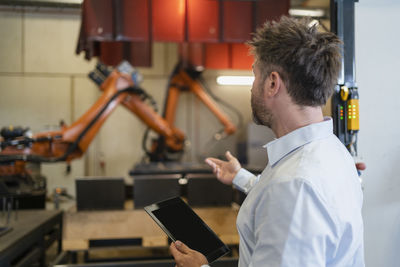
{"x": 308, "y": 60}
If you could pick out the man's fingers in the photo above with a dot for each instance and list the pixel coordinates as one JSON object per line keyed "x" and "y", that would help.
{"x": 215, "y": 161}
{"x": 210, "y": 163}
{"x": 178, "y": 248}
{"x": 184, "y": 256}
{"x": 229, "y": 156}
{"x": 174, "y": 251}
{"x": 215, "y": 164}
{"x": 361, "y": 166}
{"x": 182, "y": 247}
{"x": 234, "y": 163}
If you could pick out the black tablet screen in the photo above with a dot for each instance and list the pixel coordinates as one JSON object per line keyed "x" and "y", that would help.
{"x": 184, "y": 225}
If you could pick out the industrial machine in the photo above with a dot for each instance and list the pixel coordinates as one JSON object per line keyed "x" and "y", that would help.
{"x": 345, "y": 99}
{"x": 20, "y": 150}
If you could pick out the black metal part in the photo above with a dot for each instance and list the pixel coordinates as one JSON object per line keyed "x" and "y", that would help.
{"x": 100, "y": 193}
{"x": 339, "y": 125}
{"x": 342, "y": 24}
{"x": 100, "y": 73}
{"x": 181, "y": 168}
{"x": 152, "y": 188}
{"x": 96, "y": 78}
{"x": 204, "y": 190}
{"x": 11, "y": 133}
{"x": 23, "y": 192}
{"x": 161, "y": 153}
{"x": 25, "y": 142}
{"x": 98, "y": 243}
{"x": 103, "y": 69}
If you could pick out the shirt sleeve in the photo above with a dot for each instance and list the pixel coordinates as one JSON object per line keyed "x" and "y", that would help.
{"x": 293, "y": 227}
{"x": 245, "y": 180}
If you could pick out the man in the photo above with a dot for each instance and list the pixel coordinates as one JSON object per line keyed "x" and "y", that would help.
{"x": 305, "y": 207}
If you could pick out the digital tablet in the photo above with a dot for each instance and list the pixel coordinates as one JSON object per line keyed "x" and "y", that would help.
{"x": 181, "y": 223}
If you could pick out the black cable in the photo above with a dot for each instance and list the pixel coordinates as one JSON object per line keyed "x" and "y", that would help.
{"x": 144, "y": 140}
{"x": 223, "y": 103}
{"x": 95, "y": 119}
{"x": 169, "y": 84}
{"x": 72, "y": 147}
{"x": 194, "y": 75}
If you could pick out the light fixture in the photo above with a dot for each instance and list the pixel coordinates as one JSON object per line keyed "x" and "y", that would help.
{"x": 300, "y": 12}
{"x": 235, "y": 80}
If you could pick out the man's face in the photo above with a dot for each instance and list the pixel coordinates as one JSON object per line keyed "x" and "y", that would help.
{"x": 261, "y": 114}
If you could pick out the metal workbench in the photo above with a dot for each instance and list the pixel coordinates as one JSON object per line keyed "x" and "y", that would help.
{"x": 32, "y": 233}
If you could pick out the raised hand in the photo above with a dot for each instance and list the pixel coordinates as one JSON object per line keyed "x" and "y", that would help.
{"x": 224, "y": 170}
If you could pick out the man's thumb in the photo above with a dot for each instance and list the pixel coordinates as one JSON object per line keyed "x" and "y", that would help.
{"x": 182, "y": 247}
{"x": 229, "y": 155}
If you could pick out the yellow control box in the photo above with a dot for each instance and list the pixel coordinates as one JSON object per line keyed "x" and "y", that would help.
{"x": 353, "y": 123}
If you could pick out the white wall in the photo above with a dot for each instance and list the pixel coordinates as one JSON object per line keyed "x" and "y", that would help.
{"x": 39, "y": 78}
{"x": 378, "y": 78}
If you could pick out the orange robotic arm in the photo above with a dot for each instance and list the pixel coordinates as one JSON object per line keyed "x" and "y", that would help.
{"x": 187, "y": 79}
{"x": 119, "y": 87}
{"x": 72, "y": 141}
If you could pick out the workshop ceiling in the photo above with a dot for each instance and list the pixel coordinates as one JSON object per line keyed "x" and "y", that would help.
{"x": 211, "y": 33}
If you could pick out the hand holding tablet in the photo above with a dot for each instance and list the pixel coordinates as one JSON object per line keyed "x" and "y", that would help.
{"x": 181, "y": 223}
{"x": 186, "y": 257}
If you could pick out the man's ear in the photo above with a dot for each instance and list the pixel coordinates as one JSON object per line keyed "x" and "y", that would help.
{"x": 272, "y": 84}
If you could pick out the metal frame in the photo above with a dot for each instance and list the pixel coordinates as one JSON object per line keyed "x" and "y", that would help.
{"x": 224, "y": 262}
{"x": 44, "y": 3}
{"x": 342, "y": 23}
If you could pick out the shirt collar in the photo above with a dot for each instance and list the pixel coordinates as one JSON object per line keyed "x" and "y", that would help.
{"x": 281, "y": 147}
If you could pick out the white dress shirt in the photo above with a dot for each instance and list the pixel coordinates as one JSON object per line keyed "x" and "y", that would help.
{"x": 305, "y": 207}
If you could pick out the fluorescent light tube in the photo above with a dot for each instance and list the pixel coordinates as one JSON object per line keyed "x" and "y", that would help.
{"x": 235, "y": 80}
{"x": 306, "y": 12}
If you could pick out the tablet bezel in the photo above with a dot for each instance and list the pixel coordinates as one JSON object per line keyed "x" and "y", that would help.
{"x": 212, "y": 256}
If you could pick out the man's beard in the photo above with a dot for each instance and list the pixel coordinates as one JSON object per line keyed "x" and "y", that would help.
{"x": 261, "y": 114}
